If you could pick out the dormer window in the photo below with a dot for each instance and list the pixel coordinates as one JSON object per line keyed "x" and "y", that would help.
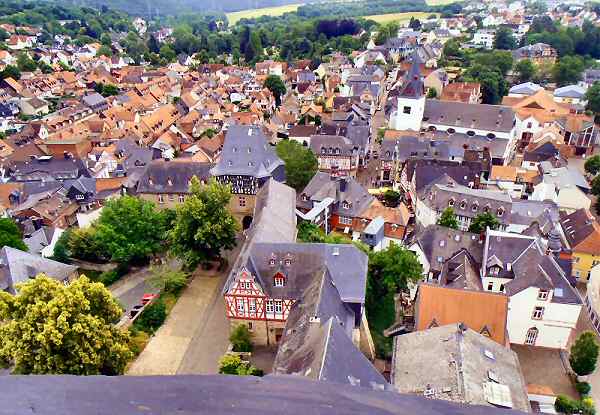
{"x": 288, "y": 262}
{"x": 230, "y": 163}
{"x": 170, "y": 181}
{"x": 249, "y": 150}
{"x": 272, "y": 261}
{"x": 345, "y": 205}
{"x": 543, "y": 295}
{"x": 486, "y": 208}
{"x": 451, "y": 202}
{"x": 250, "y": 164}
{"x": 463, "y": 204}
{"x": 323, "y": 150}
{"x": 279, "y": 280}
{"x": 474, "y": 207}
{"x": 494, "y": 270}
{"x": 500, "y": 211}
{"x": 234, "y": 149}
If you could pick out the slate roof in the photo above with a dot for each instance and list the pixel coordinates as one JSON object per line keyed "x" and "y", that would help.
{"x": 58, "y": 168}
{"x": 275, "y": 217}
{"x": 582, "y": 231}
{"x": 341, "y": 189}
{"x": 454, "y": 241}
{"x": 476, "y": 201}
{"x": 454, "y": 365}
{"x": 246, "y": 152}
{"x": 427, "y": 172}
{"x": 477, "y": 116}
{"x": 346, "y": 265}
{"x": 524, "y": 261}
{"x": 94, "y": 100}
{"x": 17, "y": 266}
{"x": 317, "y": 339}
{"x": 40, "y": 239}
{"x": 215, "y": 395}
{"x": 413, "y": 86}
{"x": 163, "y": 176}
{"x": 330, "y": 145}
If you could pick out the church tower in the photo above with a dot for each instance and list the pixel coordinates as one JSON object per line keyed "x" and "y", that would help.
{"x": 411, "y": 99}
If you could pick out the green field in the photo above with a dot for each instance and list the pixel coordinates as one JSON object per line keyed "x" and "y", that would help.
{"x": 398, "y": 17}
{"x": 234, "y": 17}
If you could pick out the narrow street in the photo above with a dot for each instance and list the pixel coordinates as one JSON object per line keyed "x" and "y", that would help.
{"x": 196, "y": 333}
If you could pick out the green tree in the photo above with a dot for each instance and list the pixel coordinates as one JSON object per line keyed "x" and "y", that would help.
{"x": 167, "y": 279}
{"x": 167, "y": 53}
{"x": 592, "y": 165}
{"x": 25, "y": 63}
{"x": 232, "y": 364}
{"x": 10, "y": 235}
{"x": 129, "y": 228}
{"x": 448, "y": 219}
{"x": 391, "y": 197}
{"x": 82, "y": 244}
{"x": 525, "y": 70}
{"x": 300, "y": 163}
{"x": 104, "y": 51}
{"x": 568, "y": 70}
{"x": 593, "y": 98}
{"x": 596, "y": 186}
{"x": 584, "y": 354}
{"x": 274, "y": 84}
{"x": 107, "y": 90}
{"x": 204, "y": 226}
{"x": 386, "y": 31}
{"x": 483, "y": 221}
{"x": 153, "y": 316}
{"x": 11, "y": 72}
{"x": 241, "y": 339}
{"x": 504, "y": 39}
{"x": 77, "y": 335}
{"x": 393, "y": 269}
{"x": 61, "y": 248}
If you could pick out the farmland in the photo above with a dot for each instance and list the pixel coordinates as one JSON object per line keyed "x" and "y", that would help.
{"x": 398, "y": 17}
{"x": 235, "y": 17}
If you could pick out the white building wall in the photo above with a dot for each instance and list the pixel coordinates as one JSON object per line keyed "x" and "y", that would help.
{"x": 555, "y": 326}
{"x": 401, "y": 121}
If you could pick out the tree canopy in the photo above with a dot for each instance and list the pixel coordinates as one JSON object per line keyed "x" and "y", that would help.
{"x": 129, "y": 228}
{"x": 300, "y": 163}
{"x": 10, "y": 235}
{"x": 526, "y": 71}
{"x": 568, "y": 70}
{"x": 203, "y": 226}
{"x": 592, "y": 96}
{"x": 448, "y": 219}
{"x": 504, "y": 39}
{"x": 592, "y": 165}
{"x": 393, "y": 269}
{"x": 584, "y": 354}
{"x": 483, "y": 221}
{"x": 274, "y": 84}
{"x": 232, "y": 364}
{"x": 77, "y": 335}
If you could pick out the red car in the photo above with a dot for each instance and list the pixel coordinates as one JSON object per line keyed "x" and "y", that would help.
{"x": 147, "y": 298}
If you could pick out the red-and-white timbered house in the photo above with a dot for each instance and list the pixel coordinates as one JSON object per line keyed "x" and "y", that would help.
{"x": 270, "y": 278}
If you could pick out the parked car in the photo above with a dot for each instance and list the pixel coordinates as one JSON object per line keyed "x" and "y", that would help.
{"x": 146, "y": 298}
{"x": 136, "y": 309}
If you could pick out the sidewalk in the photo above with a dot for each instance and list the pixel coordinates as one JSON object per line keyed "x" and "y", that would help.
{"x": 167, "y": 348}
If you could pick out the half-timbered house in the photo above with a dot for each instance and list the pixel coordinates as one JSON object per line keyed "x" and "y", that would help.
{"x": 247, "y": 162}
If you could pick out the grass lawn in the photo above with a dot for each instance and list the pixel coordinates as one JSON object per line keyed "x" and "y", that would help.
{"x": 381, "y": 316}
{"x": 398, "y": 17}
{"x": 234, "y": 17}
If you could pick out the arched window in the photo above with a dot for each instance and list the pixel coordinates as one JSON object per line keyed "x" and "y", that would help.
{"x": 531, "y": 336}
{"x": 486, "y": 208}
{"x": 474, "y": 207}
{"x": 470, "y": 133}
{"x": 463, "y": 204}
{"x": 451, "y": 130}
{"x": 500, "y": 211}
